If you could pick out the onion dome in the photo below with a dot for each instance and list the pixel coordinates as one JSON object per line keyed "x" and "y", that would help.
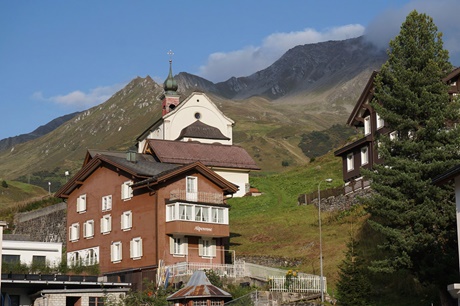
{"x": 170, "y": 84}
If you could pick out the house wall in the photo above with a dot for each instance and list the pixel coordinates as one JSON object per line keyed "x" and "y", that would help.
{"x": 148, "y": 209}
{"x": 241, "y": 179}
{"x": 27, "y": 249}
{"x": 107, "y": 182}
{"x": 185, "y": 115}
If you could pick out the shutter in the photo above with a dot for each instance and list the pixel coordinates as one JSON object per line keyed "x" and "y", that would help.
{"x": 140, "y": 253}
{"x": 78, "y": 231}
{"x": 130, "y": 219}
{"x": 121, "y": 251}
{"x": 112, "y": 252}
{"x": 109, "y": 202}
{"x": 102, "y": 224}
{"x": 213, "y": 247}
{"x": 109, "y": 223}
{"x": 131, "y": 248}
{"x": 171, "y": 245}
{"x": 70, "y": 233}
{"x": 200, "y": 247}
{"x": 185, "y": 246}
{"x": 85, "y": 232}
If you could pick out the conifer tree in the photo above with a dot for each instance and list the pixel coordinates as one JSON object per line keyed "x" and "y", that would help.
{"x": 416, "y": 218}
{"x": 353, "y": 288}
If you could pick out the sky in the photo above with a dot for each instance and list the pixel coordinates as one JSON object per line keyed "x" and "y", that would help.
{"x": 58, "y": 57}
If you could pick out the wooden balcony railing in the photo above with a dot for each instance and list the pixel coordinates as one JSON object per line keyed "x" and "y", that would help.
{"x": 201, "y": 197}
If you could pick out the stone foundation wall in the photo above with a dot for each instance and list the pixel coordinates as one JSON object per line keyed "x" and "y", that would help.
{"x": 47, "y": 224}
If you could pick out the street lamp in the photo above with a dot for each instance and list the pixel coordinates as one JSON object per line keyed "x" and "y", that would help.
{"x": 320, "y": 240}
{"x": 49, "y": 188}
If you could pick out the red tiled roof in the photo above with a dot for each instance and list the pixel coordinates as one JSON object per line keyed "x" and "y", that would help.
{"x": 211, "y": 155}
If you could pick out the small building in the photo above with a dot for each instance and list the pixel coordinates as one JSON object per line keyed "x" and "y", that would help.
{"x": 199, "y": 291}
{"x": 31, "y": 252}
{"x": 362, "y": 153}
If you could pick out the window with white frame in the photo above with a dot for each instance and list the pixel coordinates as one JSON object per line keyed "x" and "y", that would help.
{"x": 207, "y": 247}
{"x": 126, "y": 220}
{"x": 367, "y": 125}
{"x": 217, "y": 215}
{"x": 84, "y": 257}
{"x": 126, "y": 190}
{"x": 196, "y": 213}
{"x": 135, "y": 247}
{"x": 350, "y": 162}
{"x": 191, "y": 188}
{"x": 178, "y": 246}
{"x": 200, "y": 303}
{"x": 217, "y": 303}
{"x": 88, "y": 229}
{"x": 74, "y": 232}
{"x": 116, "y": 251}
{"x": 106, "y": 224}
{"x": 364, "y": 155}
{"x": 106, "y": 203}
{"x": 185, "y": 212}
{"x": 81, "y": 203}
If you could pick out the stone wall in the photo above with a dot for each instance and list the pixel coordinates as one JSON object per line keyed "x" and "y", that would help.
{"x": 47, "y": 224}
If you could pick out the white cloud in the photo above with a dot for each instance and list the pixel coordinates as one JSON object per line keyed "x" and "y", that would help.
{"x": 80, "y": 100}
{"x": 221, "y": 66}
{"x": 444, "y": 13}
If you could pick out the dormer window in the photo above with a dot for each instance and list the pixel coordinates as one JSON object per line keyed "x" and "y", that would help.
{"x": 364, "y": 155}
{"x": 367, "y": 125}
{"x": 350, "y": 162}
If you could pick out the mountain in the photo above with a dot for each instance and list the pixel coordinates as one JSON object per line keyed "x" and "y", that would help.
{"x": 311, "y": 87}
{"x": 9, "y": 142}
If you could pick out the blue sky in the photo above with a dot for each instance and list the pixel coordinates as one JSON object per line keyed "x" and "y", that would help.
{"x": 57, "y": 57}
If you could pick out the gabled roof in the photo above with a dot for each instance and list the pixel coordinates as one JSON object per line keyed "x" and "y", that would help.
{"x": 201, "y": 130}
{"x": 211, "y": 155}
{"x": 447, "y": 176}
{"x": 454, "y": 74}
{"x": 146, "y": 170}
{"x": 362, "y": 99}
{"x": 199, "y": 287}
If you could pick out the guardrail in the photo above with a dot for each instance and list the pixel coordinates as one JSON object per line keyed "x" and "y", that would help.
{"x": 311, "y": 283}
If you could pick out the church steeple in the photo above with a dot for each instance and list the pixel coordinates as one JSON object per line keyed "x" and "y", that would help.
{"x": 170, "y": 97}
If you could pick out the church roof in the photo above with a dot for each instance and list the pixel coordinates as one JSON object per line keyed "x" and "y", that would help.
{"x": 211, "y": 155}
{"x": 199, "y": 129}
{"x": 199, "y": 287}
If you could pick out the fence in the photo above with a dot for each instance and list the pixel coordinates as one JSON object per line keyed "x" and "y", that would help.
{"x": 205, "y": 197}
{"x": 187, "y": 268}
{"x": 326, "y": 193}
{"x": 310, "y": 283}
{"x": 356, "y": 185}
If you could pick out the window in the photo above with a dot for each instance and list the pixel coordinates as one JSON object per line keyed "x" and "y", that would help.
{"x": 38, "y": 260}
{"x": 88, "y": 229}
{"x": 107, "y": 203}
{"x": 200, "y": 303}
{"x": 106, "y": 224}
{"x": 207, "y": 247}
{"x": 96, "y": 301}
{"x": 350, "y": 162}
{"x": 191, "y": 189}
{"x": 367, "y": 125}
{"x": 91, "y": 257}
{"x": 126, "y": 220}
{"x": 217, "y": 215}
{"x": 14, "y": 259}
{"x": 81, "y": 203}
{"x": 126, "y": 190}
{"x": 74, "y": 232}
{"x": 136, "y": 248}
{"x": 364, "y": 156}
{"x": 196, "y": 213}
{"x": 185, "y": 212}
{"x": 216, "y": 303}
{"x": 380, "y": 122}
{"x": 116, "y": 251}
{"x": 178, "y": 246}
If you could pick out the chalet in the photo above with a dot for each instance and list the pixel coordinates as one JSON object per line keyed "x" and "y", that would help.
{"x": 362, "y": 153}
{"x": 127, "y": 212}
{"x": 196, "y": 123}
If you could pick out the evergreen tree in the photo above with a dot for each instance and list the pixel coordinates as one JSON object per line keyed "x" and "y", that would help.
{"x": 416, "y": 218}
{"x": 353, "y": 288}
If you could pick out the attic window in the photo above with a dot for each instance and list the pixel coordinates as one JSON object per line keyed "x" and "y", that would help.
{"x": 197, "y": 115}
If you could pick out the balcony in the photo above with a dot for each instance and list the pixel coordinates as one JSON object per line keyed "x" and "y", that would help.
{"x": 201, "y": 197}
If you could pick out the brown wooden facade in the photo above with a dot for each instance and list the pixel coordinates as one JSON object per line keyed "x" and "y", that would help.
{"x": 140, "y": 233}
{"x": 366, "y": 120}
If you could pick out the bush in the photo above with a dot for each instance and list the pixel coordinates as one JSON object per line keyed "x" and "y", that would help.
{"x": 4, "y": 184}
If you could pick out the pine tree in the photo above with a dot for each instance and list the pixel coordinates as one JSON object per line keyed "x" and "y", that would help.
{"x": 353, "y": 288}
{"x": 416, "y": 218}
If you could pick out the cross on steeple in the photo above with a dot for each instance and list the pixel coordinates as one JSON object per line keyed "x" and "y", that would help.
{"x": 170, "y": 53}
